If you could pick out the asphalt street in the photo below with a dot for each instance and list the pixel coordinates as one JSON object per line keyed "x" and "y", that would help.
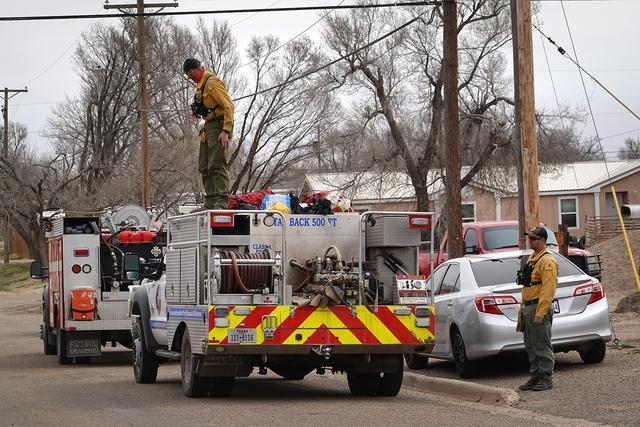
{"x": 35, "y": 390}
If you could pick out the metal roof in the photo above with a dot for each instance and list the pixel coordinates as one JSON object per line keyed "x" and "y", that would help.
{"x": 396, "y": 186}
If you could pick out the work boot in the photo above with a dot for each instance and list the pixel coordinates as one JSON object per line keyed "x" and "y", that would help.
{"x": 543, "y": 384}
{"x": 530, "y": 384}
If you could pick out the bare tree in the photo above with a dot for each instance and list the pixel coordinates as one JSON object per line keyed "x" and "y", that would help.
{"x": 400, "y": 80}
{"x": 630, "y": 150}
{"x": 29, "y": 185}
{"x": 276, "y": 130}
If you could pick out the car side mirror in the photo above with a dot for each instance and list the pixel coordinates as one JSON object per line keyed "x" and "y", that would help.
{"x": 37, "y": 271}
{"x": 131, "y": 267}
{"x": 471, "y": 250}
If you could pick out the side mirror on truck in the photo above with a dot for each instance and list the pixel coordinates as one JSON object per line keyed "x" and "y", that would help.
{"x": 471, "y": 250}
{"x": 131, "y": 267}
{"x": 37, "y": 271}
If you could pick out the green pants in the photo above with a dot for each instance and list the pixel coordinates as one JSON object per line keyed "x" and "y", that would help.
{"x": 212, "y": 165}
{"x": 537, "y": 342}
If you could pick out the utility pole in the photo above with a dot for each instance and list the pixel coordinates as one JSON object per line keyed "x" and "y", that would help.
{"x": 5, "y": 116}
{"x": 143, "y": 113}
{"x": 525, "y": 113}
{"x": 5, "y": 154}
{"x": 452, "y": 128}
{"x": 144, "y": 108}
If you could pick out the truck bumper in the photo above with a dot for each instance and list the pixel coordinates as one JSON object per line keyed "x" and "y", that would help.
{"x": 305, "y": 330}
{"x": 318, "y": 349}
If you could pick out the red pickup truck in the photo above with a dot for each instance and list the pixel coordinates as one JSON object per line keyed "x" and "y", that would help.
{"x": 496, "y": 236}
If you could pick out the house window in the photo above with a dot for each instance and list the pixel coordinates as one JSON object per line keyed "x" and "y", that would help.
{"x": 468, "y": 212}
{"x": 569, "y": 212}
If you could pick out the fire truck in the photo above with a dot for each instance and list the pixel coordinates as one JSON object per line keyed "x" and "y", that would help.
{"x": 93, "y": 259}
{"x": 245, "y": 290}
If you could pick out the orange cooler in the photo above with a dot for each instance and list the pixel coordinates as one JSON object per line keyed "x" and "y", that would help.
{"x": 83, "y": 303}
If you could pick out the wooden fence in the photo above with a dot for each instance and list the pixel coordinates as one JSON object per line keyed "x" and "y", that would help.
{"x": 602, "y": 228}
{"x": 18, "y": 246}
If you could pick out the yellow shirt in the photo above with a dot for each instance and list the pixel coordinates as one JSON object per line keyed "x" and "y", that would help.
{"x": 215, "y": 97}
{"x": 546, "y": 273}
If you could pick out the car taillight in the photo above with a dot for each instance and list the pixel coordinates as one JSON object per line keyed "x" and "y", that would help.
{"x": 596, "y": 290}
{"x": 489, "y": 304}
{"x": 76, "y": 268}
{"x": 81, "y": 252}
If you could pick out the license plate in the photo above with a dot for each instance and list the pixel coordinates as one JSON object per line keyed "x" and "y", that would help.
{"x": 84, "y": 347}
{"x": 556, "y": 306}
{"x": 241, "y": 335}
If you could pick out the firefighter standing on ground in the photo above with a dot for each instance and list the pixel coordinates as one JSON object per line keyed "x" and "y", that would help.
{"x": 214, "y": 105}
{"x": 539, "y": 279}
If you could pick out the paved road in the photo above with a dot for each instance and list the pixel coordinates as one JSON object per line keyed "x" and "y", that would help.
{"x": 36, "y": 391}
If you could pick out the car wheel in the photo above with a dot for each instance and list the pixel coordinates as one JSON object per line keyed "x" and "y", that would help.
{"x": 390, "y": 382}
{"x": 192, "y": 385}
{"x": 48, "y": 348}
{"x": 465, "y": 367}
{"x": 594, "y": 353}
{"x": 363, "y": 384}
{"x": 48, "y": 340}
{"x": 145, "y": 363}
{"x": 416, "y": 361}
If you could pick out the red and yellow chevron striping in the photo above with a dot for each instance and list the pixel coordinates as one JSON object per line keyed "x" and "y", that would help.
{"x": 324, "y": 325}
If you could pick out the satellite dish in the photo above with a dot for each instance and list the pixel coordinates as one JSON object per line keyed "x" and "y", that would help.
{"x": 132, "y": 215}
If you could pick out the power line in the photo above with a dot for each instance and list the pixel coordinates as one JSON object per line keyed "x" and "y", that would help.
{"x": 564, "y": 53}
{"x": 255, "y": 14}
{"x": 42, "y": 73}
{"x": 335, "y": 61}
{"x": 217, "y": 12}
{"x": 584, "y": 87}
{"x": 297, "y": 35}
{"x": 555, "y": 93}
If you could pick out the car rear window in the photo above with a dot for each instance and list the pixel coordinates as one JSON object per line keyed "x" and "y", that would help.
{"x": 502, "y": 271}
{"x": 507, "y": 237}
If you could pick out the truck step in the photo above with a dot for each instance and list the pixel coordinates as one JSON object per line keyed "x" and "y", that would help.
{"x": 166, "y": 354}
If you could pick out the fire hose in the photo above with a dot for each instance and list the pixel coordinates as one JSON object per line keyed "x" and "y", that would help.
{"x": 244, "y": 278}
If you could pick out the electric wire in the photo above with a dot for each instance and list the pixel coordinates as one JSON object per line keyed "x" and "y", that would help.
{"x": 296, "y": 36}
{"x": 584, "y": 87}
{"x": 255, "y": 14}
{"x": 564, "y": 53}
{"x": 555, "y": 92}
{"x": 333, "y": 62}
{"x": 218, "y": 12}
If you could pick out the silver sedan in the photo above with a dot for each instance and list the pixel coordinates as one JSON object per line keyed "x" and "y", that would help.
{"x": 477, "y": 303}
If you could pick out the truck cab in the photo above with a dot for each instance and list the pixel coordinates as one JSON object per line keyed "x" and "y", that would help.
{"x": 499, "y": 236}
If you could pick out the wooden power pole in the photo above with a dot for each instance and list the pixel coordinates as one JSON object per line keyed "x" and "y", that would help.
{"x": 5, "y": 154}
{"x": 8, "y": 94}
{"x": 144, "y": 108}
{"x": 526, "y": 111}
{"x": 143, "y": 113}
{"x": 452, "y": 128}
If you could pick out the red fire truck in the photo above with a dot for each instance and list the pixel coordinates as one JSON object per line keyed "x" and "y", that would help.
{"x": 93, "y": 258}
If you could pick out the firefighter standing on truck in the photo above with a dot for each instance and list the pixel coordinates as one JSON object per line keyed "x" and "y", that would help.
{"x": 539, "y": 279}
{"x": 212, "y": 103}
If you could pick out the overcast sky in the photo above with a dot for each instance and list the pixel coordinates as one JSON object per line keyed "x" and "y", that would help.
{"x": 606, "y": 35}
